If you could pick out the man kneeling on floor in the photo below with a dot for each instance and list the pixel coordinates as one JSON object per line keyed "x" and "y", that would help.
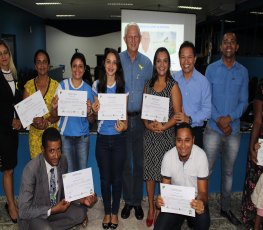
{"x": 185, "y": 165}
{"x": 41, "y": 198}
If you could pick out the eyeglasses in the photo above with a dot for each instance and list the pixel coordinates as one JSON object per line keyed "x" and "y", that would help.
{"x": 4, "y": 53}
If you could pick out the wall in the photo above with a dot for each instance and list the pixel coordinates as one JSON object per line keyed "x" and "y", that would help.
{"x": 61, "y": 47}
{"x": 29, "y": 30}
{"x": 253, "y": 64}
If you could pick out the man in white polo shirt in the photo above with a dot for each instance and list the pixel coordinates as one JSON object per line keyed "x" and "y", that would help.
{"x": 185, "y": 165}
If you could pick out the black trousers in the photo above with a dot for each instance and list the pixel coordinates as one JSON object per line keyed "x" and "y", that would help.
{"x": 198, "y": 133}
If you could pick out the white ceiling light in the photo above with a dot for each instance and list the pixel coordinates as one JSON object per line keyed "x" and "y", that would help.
{"x": 190, "y": 7}
{"x": 119, "y": 4}
{"x": 65, "y": 15}
{"x": 229, "y": 21}
{"x": 256, "y": 12}
{"x": 48, "y": 3}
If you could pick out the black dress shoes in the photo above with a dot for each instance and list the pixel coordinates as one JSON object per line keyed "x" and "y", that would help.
{"x": 138, "y": 212}
{"x": 230, "y": 216}
{"x": 125, "y": 213}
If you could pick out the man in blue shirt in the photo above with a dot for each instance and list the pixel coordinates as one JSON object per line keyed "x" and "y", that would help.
{"x": 229, "y": 86}
{"x": 137, "y": 70}
{"x": 196, "y": 93}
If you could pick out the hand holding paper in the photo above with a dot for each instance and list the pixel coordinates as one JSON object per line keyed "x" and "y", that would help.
{"x": 72, "y": 103}
{"x": 60, "y": 207}
{"x": 30, "y": 107}
{"x": 78, "y": 184}
{"x": 90, "y": 200}
{"x": 155, "y": 108}
{"x": 198, "y": 206}
{"x": 177, "y": 199}
{"x": 112, "y": 106}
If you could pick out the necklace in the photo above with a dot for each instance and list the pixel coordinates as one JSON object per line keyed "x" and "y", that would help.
{"x": 8, "y": 75}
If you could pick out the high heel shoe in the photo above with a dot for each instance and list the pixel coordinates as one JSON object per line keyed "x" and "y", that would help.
{"x": 7, "y": 210}
{"x": 149, "y": 222}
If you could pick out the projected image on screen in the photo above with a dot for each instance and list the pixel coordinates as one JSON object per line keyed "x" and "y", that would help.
{"x": 160, "y": 29}
{"x": 155, "y": 36}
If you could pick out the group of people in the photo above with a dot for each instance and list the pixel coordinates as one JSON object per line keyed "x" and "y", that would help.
{"x": 179, "y": 151}
{"x": 73, "y": 130}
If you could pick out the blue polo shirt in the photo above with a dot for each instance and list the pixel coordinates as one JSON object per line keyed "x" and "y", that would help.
{"x": 136, "y": 75}
{"x": 196, "y": 95}
{"x": 229, "y": 93}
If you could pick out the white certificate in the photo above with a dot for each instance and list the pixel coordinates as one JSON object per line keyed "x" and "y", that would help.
{"x": 31, "y": 107}
{"x": 155, "y": 108}
{"x": 260, "y": 152}
{"x": 113, "y": 106}
{"x": 72, "y": 103}
{"x": 78, "y": 184}
{"x": 177, "y": 199}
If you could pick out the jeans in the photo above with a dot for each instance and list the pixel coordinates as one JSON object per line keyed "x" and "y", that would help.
{"x": 133, "y": 167}
{"x": 76, "y": 150}
{"x": 167, "y": 221}
{"x": 228, "y": 146}
{"x": 110, "y": 155}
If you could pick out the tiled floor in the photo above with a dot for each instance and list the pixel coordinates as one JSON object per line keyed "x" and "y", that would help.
{"x": 96, "y": 214}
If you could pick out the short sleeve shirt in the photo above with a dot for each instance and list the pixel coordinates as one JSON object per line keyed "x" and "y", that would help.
{"x": 185, "y": 173}
{"x": 74, "y": 126}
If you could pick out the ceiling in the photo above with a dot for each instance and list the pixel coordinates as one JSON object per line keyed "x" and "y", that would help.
{"x": 99, "y": 10}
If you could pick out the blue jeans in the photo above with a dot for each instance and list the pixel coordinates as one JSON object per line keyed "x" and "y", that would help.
{"x": 167, "y": 221}
{"x": 110, "y": 155}
{"x": 228, "y": 146}
{"x": 133, "y": 167}
{"x": 76, "y": 150}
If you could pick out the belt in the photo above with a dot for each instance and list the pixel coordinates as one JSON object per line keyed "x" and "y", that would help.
{"x": 133, "y": 114}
